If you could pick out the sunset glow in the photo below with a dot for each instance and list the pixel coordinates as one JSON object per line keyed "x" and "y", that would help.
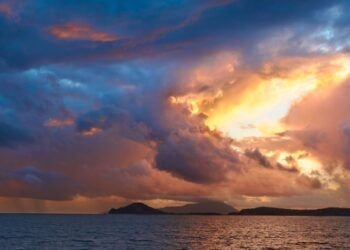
{"x": 173, "y": 102}
{"x": 257, "y": 107}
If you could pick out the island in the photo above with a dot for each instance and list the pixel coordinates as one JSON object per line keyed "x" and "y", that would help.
{"x": 200, "y": 208}
{"x": 135, "y": 208}
{"x": 219, "y": 208}
{"x": 330, "y": 211}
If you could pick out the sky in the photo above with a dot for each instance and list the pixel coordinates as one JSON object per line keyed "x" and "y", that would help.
{"x": 104, "y": 103}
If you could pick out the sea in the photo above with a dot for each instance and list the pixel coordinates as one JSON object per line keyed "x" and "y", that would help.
{"x": 33, "y": 231}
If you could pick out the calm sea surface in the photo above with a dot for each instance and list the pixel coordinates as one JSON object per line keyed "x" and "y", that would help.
{"x": 172, "y": 232}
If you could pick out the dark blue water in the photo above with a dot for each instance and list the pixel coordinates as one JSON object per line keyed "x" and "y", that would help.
{"x": 172, "y": 232}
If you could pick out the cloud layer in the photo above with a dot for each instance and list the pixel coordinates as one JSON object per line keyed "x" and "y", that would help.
{"x": 175, "y": 101}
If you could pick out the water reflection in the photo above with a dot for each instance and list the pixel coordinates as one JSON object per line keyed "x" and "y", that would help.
{"x": 172, "y": 232}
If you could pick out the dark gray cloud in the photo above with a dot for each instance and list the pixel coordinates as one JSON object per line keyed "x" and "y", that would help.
{"x": 150, "y": 28}
{"x": 256, "y": 155}
{"x": 122, "y": 88}
{"x": 36, "y": 183}
{"x": 11, "y": 136}
{"x": 197, "y": 156}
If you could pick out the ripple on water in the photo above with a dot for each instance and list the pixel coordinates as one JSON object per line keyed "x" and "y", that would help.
{"x": 172, "y": 232}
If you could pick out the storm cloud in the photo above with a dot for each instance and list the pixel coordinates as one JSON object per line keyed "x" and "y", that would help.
{"x": 172, "y": 101}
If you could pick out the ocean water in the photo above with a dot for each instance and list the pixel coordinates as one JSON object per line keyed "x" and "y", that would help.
{"x": 172, "y": 232}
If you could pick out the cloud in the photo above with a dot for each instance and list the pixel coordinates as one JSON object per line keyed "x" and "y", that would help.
{"x": 6, "y": 9}
{"x": 11, "y": 8}
{"x": 144, "y": 142}
{"x": 35, "y": 183}
{"x": 56, "y": 123}
{"x": 105, "y": 118}
{"x": 327, "y": 134}
{"x": 79, "y": 31}
{"x": 33, "y": 176}
{"x": 118, "y": 101}
{"x": 149, "y": 29}
{"x": 11, "y": 136}
{"x": 258, "y": 156}
{"x": 197, "y": 156}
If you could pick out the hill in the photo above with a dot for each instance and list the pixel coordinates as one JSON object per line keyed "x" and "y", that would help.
{"x": 135, "y": 208}
{"x": 331, "y": 211}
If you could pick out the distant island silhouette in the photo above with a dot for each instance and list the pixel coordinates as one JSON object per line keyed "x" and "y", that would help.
{"x": 330, "y": 211}
{"x": 200, "y": 208}
{"x": 219, "y": 208}
{"x": 135, "y": 208}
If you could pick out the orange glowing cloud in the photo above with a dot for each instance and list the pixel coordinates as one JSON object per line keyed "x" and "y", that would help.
{"x": 92, "y": 131}
{"x": 6, "y": 9}
{"x": 244, "y": 103}
{"x": 56, "y": 123}
{"x": 256, "y": 107}
{"x": 80, "y": 31}
{"x": 11, "y": 8}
